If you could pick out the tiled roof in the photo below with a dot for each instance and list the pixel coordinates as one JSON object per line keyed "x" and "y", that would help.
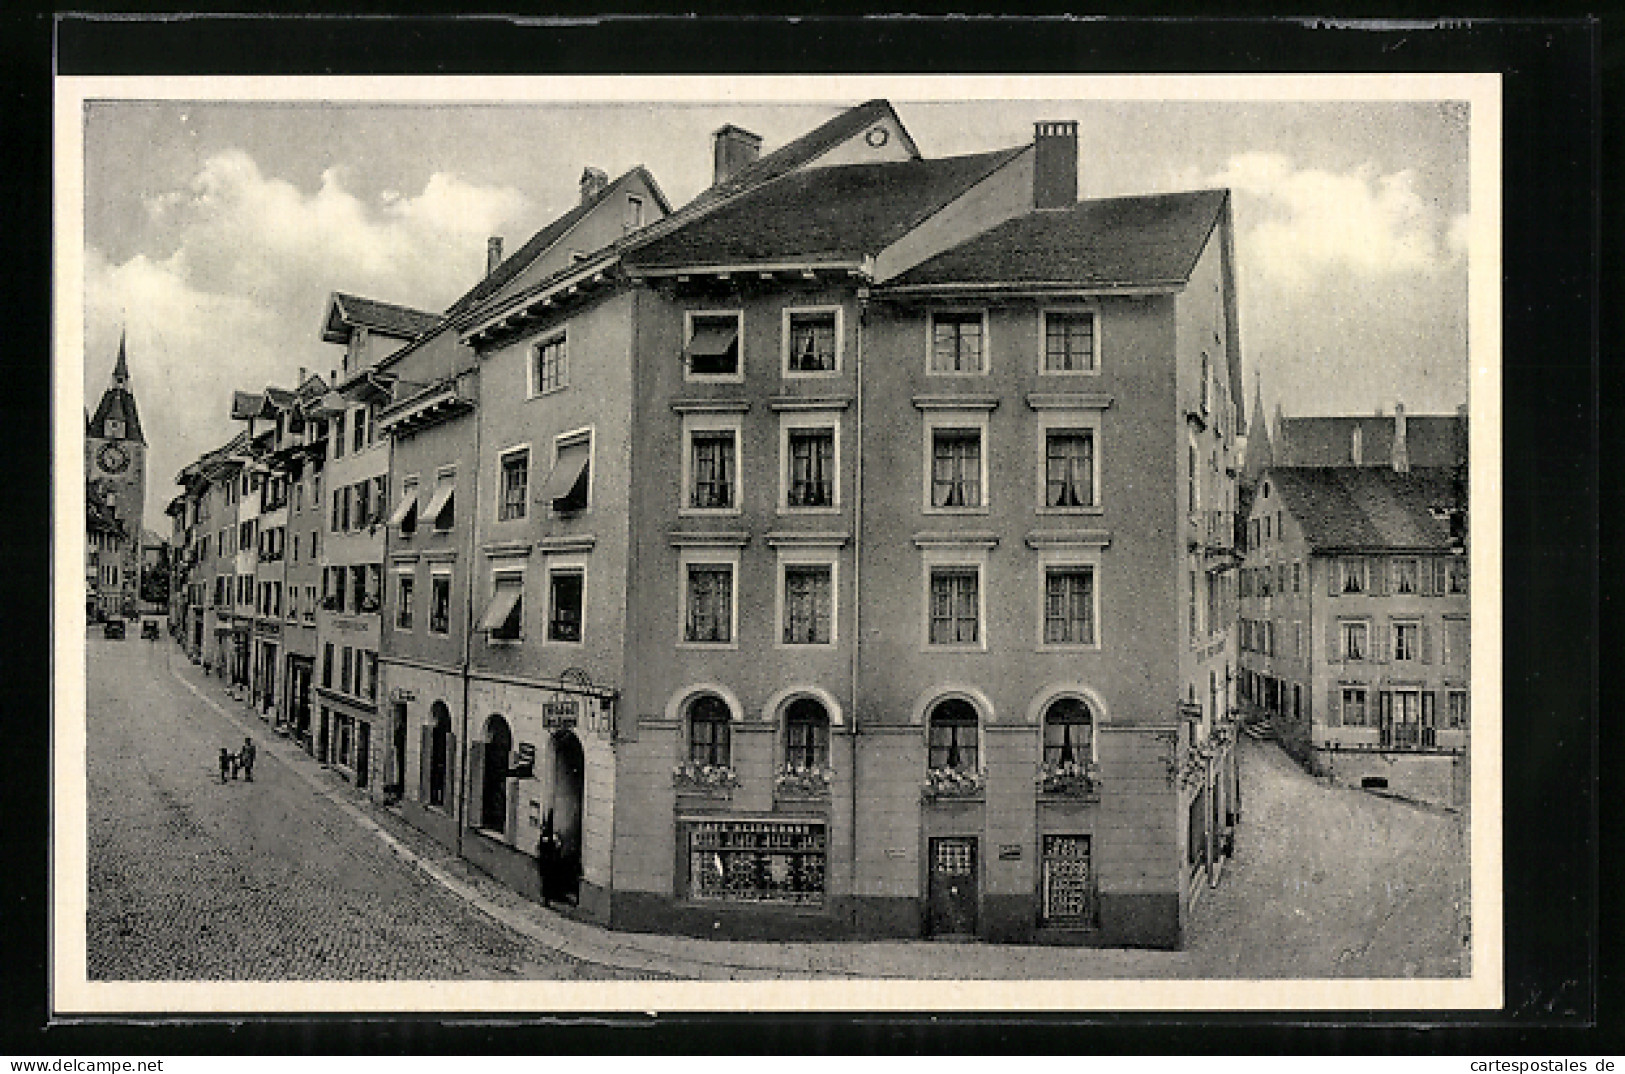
{"x": 120, "y": 404}
{"x": 281, "y": 398}
{"x": 836, "y": 213}
{"x": 808, "y": 147}
{"x": 245, "y": 405}
{"x": 1104, "y": 242}
{"x": 1368, "y": 507}
{"x": 402, "y": 322}
{"x": 540, "y": 243}
{"x": 1430, "y": 440}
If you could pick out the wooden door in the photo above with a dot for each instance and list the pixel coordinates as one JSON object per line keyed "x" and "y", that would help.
{"x": 952, "y": 898}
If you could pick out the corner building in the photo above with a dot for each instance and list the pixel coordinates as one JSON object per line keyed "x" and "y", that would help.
{"x": 865, "y": 526}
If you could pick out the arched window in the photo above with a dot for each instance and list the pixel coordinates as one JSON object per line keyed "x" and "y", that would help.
{"x": 953, "y": 735}
{"x": 710, "y": 731}
{"x": 1068, "y": 732}
{"x": 439, "y": 754}
{"x": 806, "y": 734}
{"x": 494, "y": 800}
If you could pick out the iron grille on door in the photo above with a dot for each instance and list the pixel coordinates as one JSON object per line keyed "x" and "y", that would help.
{"x": 1068, "y": 885}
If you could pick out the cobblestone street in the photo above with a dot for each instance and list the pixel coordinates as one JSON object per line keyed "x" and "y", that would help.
{"x": 295, "y": 876}
{"x": 194, "y": 879}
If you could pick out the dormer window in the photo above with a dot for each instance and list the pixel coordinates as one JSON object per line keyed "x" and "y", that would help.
{"x": 115, "y": 429}
{"x": 634, "y": 212}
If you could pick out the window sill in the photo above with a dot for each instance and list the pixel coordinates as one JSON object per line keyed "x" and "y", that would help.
{"x": 545, "y": 392}
{"x": 812, "y": 374}
{"x": 1067, "y": 647}
{"x": 713, "y": 378}
{"x": 504, "y": 643}
{"x": 928, "y": 510}
{"x": 796, "y": 512}
{"x": 1093, "y": 511}
{"x": 709, "y": 646}
{"x": 804, "y": 646}
{"x": 708, "y": 512}
{"x": 929, "y": 648}
{"x": 1043, "y": 372}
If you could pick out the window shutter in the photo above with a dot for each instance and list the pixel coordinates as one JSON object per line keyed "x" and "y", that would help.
{"x": 1425, "y": 632}
{"x": 1334, "y": 701}
{"x": 425, "y": 756}
{"x": 1332, "y": 579}
{"x": 1377, "y": 569}
{"x": 1380, "y": 640}
{"x": 476, "y": 783}
{"x": 1424, "y": 576}
{"x": 1333, "y": 642}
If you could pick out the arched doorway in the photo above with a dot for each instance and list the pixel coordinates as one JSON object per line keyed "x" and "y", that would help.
{"x": 397, "y": 779}
{"x": 494, "y": 789}
{"x": 439, "y": 754}
{"x": 569, "y": 783}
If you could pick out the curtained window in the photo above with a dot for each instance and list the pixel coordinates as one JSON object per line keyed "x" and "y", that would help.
{"x": 812, "y": 468}
{"x": 956, "y": 468}
{"x": 1069, "y": 468}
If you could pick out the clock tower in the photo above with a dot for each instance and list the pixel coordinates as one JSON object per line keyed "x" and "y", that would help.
{"x": 116, "y": 461}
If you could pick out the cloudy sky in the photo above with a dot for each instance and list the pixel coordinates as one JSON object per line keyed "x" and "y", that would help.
{"x": 214, "y": 231}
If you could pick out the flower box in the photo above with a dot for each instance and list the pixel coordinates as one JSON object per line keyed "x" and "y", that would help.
{"x": 798, "y": 781}
{"x": 1070, "y": 779}
{"x": 952, "y": 783}
{"x": 717, "y": 781}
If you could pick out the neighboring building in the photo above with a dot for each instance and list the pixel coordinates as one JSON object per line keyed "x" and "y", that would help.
{"x": 1015, "y": 725}
{"x": 355, "y": 479}
{"x": 431, "y": 528}
{"x": 116, "y": 480}
{"x": 1355, "y": 628}
{"x": 301, "y": 457}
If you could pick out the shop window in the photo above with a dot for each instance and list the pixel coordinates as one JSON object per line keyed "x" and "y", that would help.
{"x": 952, "y": 736}
{"x": 710, "y": 728}
{"x": 806, "y": 734}
{"x": 774, "y": 862}
{"x": 1068, "y": 733}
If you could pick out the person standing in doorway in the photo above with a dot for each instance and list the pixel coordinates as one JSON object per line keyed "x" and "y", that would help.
{"x": 247, "y": 755}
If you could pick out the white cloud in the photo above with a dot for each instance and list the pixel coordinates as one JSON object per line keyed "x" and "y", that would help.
{"x": 1298, "y": 223}
{"x": 237, "y": 303}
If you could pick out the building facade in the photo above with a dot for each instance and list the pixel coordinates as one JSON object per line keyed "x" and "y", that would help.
{"x": 1355, "y": 627}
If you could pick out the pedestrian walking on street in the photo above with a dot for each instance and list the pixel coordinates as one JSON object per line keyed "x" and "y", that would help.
{"x": 247, "y": 755}
{"x": 225, "y": 763}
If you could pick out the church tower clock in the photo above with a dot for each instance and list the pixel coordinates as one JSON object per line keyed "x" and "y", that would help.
{"x": 116, "y": 463}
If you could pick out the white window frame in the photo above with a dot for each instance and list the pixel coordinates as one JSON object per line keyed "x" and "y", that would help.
{"x": 533, "y": 368}
{"x": 807, "y": 557}
{"x": 1093, "y": 312}
{"x": 955, "y": 559}
{"x": 501, "y": 482}
{"x": 931, "y": 342}
{"x": 707, "y": 557}
{"x": 784, "y": 343}
{"x": 738, "y": 375}
{"x": 400, "y": 573}
{"x": 570, "y": 565}
{"x": 1064, "y": 559}
{"x": 634, "y": 213}
{"x": 1342, "y": 647}
{"x": 948, "y": 418}
{"x": 789, "y": 421}
{"x": 706, "y": 423}
{"x": 569, "y": 439}
{"x": 436, "y": 572}
{"x": 1063, "y": 421}
{"x": 1394, "y": 626}
{"x": 501, "y": 575}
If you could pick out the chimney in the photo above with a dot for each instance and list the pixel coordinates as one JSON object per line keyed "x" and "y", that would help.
{"x": 1055, "y": 164}
{"x": 1402, "y": 458}
{"x": 593, "y": 182}
{"x": 493, "y": 253}
{"x": 732, "y": 150}
{"x": 300, "y": 383}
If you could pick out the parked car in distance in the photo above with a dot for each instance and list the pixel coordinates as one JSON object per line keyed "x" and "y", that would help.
{"x": 113, "y": 628}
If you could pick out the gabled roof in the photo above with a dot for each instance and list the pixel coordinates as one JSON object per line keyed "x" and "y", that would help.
{"x": 1353, "y": 508}
{"x": 119, "y": 404}
{"x": 346, "y": 312}
{"x": 809, "y": 147}
{"x": 546, "y": 239}
{"x": 245, "y": 405}
{"x": 1144, "y": 241}
{"x": 1430, "y": 440}
{"x": 845, "y": 212}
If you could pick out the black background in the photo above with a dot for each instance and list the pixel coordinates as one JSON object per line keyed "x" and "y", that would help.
{"x": 1555, "y": 71}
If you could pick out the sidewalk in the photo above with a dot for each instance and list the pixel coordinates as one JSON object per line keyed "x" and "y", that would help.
{"x": 659, "y": 955}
